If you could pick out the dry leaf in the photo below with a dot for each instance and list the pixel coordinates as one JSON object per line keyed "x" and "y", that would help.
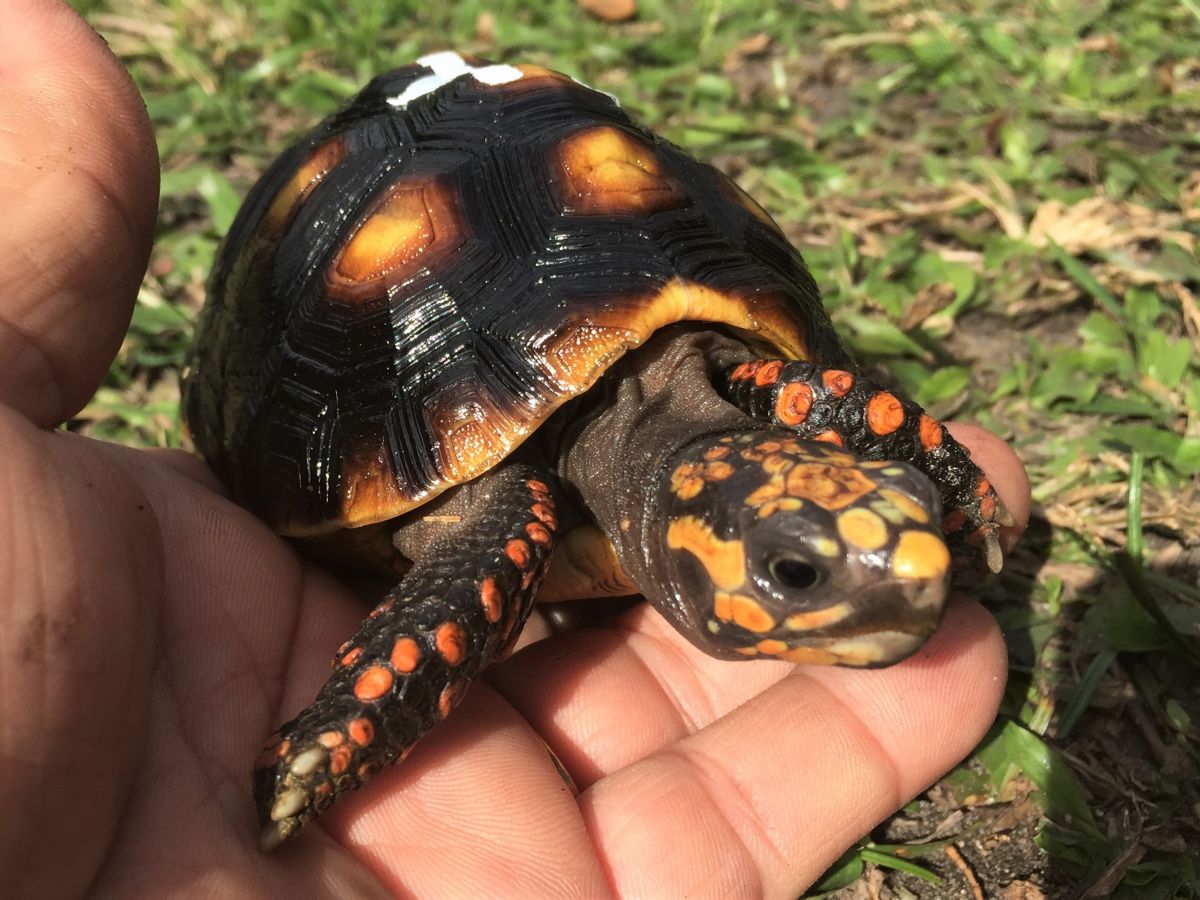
{"x": 611, "y": 10}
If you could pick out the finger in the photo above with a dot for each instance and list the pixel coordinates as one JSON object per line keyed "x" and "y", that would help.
{"x": 575, "y": 689}
{"x": 774, "y": 791}
{"x": 477, "y": 810}
{"x": 76, "y": 652}
{"x": 79, "y": 174}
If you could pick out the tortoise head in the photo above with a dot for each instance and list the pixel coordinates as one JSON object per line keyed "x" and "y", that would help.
{"x": 771, "y": 546}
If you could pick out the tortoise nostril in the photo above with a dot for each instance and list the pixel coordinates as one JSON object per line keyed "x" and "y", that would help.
{"x": 793, "y": 572}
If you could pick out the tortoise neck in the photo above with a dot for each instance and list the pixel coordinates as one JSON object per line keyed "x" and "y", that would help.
{"x": 655, "y": 401}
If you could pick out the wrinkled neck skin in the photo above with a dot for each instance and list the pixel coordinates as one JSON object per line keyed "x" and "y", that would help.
{"x": 654, "y": 401}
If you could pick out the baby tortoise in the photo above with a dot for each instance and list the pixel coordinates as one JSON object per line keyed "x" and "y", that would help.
{"x": 418, "y": 354}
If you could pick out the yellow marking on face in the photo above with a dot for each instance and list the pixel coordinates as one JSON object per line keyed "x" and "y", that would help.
{"x": 776, "y": 464}
{"x": 686, "y": 482}
{"x": 862, "y": 528}
{"x": 748, "y": 613}
{"x": 784, "y": 504}
{"x": 723, "y": 606}
{"x": 920, "y": 555}
{"x": 724, "y": 561}
{"x": 772, "y": 490}
{"x": 771, "y": 647}
{"x": 830, "y": 487}
{"x": 907, "y": 505}
{"x": 814, "y": 655}
{"x": 818, "y": 618}
{"x": 827, "y": 546}
{"x": 746, "y": 651}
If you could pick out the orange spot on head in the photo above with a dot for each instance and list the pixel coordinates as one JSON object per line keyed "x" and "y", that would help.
{"x": 931, "y": 432}
{"x": 724, "y": 561}
{"x": 373, "y": 683}
{"x": 717, "y": 471}
{"x": 862, "y": 529}
{"x": 339, "y": 759}
{"x": 518, "y": 551}
{"x": 492, "y": 600}
{"x": 406, "y": 653}
{"x": 920, "y": 555}
{"x": 830, "y": 487}
{"x": 361, "y": 731}
{"x": 451, "y": 642}
{"x": 351, "y": 656}
{"x": 715, "y": 453}
{"x": 723, "y": 606}
{"x": 771, "y": 647}
{"x": 884, "y": 413}
{"x": 538, "y": 534}
{"x": 793, "y": 403}
{"x": 768, "y": 374}
{"x": 750, "y": 615}
{"x": 837, "y": 381}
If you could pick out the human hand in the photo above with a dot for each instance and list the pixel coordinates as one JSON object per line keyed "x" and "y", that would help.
{"x": 155, "y": 633}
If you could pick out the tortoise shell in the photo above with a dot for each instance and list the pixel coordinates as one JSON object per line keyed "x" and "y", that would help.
{"x": 418, "y": 284}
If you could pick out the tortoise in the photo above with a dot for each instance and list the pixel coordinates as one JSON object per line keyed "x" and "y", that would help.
{"x": 479, "y": 319}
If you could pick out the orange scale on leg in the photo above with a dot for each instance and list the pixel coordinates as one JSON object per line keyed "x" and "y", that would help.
{"x": 451, "y": 642}
{"x": 361, "y": 731}
{"x": 829, "y": 436}
{"x": 491, "y": 599}
{"x": 518, "y": 551}
{"x": 538, "y": 534}
{"x": 373, "y": 683}
{"x": 331, "y": 739}
{"x": 838, "y": 382}
{"x": 406, "y": 653}
{"x": 768, "y": 374}
{"x": 793, "y": 404}
{"x": 339, "y": 759}
{"x": 545, "y": 515}
{"x": 350, "y": 657}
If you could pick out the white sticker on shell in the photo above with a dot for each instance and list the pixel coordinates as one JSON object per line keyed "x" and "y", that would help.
{"x": 448, "y": 65}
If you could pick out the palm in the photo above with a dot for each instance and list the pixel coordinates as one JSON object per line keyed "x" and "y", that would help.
{"x": 155, "y": 634}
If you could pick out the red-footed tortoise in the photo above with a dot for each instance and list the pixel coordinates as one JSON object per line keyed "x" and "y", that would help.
{"x": 478, "y": 319}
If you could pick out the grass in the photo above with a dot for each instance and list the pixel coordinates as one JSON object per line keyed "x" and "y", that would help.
{"x": 1002, "y": 202}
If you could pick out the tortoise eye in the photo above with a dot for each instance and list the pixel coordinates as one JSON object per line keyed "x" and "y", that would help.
{"x": 794, "y": 572}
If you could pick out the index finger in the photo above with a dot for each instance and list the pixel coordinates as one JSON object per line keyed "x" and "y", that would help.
{"x": 79, "y": 174}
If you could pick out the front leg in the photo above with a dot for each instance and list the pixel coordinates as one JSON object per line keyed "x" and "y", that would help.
{"x": 461, "y": 606}
{"x": 839, "y": 407}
